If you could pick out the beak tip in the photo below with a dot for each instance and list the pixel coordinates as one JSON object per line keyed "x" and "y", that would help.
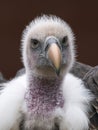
{"x": 58, "y": 72}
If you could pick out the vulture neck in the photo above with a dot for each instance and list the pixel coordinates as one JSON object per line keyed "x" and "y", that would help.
{"x": 43, "y": 93}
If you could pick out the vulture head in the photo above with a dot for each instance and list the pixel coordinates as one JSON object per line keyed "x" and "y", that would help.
{"x": 52, "y": 101}
{"x": 47, "y": 47}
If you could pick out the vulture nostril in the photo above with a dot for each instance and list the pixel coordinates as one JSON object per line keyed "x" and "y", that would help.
{"x": 47, "y": 47}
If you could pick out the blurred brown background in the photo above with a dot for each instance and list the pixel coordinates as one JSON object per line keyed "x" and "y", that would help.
{"x": 82, "y": 15}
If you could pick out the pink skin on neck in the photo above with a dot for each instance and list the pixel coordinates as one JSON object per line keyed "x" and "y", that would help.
{"x": 43, "y": 96}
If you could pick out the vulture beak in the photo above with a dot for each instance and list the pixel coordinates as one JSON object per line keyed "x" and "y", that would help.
{"x": 54, "y": 54}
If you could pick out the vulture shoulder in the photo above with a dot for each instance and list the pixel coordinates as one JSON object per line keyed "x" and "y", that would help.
{"x": 91, "y": 80}
{"x": 90, "y": 77}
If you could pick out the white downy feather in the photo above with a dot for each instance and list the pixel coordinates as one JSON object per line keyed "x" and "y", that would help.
{"x": 77, "y": 104}
{"x": 11, "y": 100}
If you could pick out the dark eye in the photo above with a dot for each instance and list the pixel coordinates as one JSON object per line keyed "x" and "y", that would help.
{"x": 65, "y": 41}
{"x": 34, "y": 43}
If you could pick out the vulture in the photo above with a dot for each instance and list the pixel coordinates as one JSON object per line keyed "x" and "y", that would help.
{"x": 47, "y": 96}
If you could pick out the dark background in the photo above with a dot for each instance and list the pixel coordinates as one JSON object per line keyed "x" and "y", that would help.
{"x": 82, "y": 15}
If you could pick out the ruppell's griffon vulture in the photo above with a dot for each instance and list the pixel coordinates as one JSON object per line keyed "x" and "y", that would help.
{"x": 47, "y": 96}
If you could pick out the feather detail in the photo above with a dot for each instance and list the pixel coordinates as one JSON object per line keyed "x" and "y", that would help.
{"x": 11, "y": 102}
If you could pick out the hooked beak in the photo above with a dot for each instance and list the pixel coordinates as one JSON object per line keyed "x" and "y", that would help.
{"x": 54, "y": 54}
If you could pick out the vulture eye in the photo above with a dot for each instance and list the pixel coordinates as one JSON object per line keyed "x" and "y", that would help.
{"x": 65, "y": 41}
{"x": 34, "y": 43}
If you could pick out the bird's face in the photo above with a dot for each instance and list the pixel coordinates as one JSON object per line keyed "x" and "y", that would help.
{"x": 48, "y": 49}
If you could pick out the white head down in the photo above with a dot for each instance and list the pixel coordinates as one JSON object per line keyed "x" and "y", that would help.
{"x": 48, "y": 47}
